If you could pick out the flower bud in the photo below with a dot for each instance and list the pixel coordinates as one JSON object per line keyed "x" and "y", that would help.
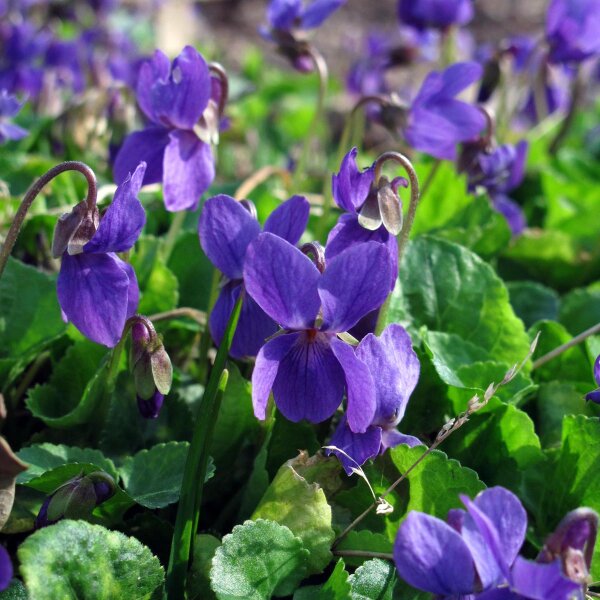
{"x": 74, "y": 230}
{"x": 150, "y": 409}
{"x": 76, "y": 499}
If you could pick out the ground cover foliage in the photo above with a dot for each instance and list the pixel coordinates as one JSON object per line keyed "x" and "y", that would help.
{"x": 225, "y": 374}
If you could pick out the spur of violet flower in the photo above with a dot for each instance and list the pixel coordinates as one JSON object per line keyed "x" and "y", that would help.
{"x": 226, "y": 229}
{"x": 436, "y": 14}
{"x": 178, "y": 101}
{"x": 97, "y": 291}
{"x": 573, "y": 30}
{"x": 307, "y": 366}
{"x": 477, "y": 552}
{"x": 393, "y": 369}
{"x": 9, "y": 107}
{"x": 594, "y": 395}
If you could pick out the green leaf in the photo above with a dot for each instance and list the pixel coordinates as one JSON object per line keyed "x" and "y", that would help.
{"x": 580, "y": 309}
{"x": 449, "y": 289}
{"x": 153, "y": 477}
{"x": 29, "y": 312}
{"x": 499, "y": 442}
{"x": 336, "y": 587}
{"x": 158, "y": 285}
{"x": 193, "y": 271}
{"x": 75, "y": 387}
{"x": 436, "y": 482}
{"x": 45, "y": 457}
{"x": 291, "y": 501}
{"x": 571, "y": 478}
{"x": 258, "y": 560}
{"x": 375, "y": 580}
{"x": 198, "y": 582}
{"x": 533, "y": 301}
{"x": 74, "y": 559}
{"x": 571, "y": 365}
{"x": 15, "y": 591}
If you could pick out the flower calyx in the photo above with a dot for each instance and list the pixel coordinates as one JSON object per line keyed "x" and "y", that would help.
{"x": 75, "y": 229}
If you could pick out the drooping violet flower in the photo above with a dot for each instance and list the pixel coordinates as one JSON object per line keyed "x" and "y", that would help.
{"x": 288, "y": 20}
{"x": 499, "y": 170}
{"x": 176, "y": 99}
{"x": 9, "y": 107}
{"x": 97, "y": 291}
{"x": 6, "y": 569}
{"x": 151, "y": 367}
{"x": 374, "y": 213}
{"x": 476, "y": 551}
{"x": 307, "y": 367}
{"x": 436, "y": 14}
{"x": 226, "y": 229}
{"x": 394, "y": 369}
{"x": 437, "y": 121}
{"x": 573, "y": 30}
{"x": 594, "y": 395}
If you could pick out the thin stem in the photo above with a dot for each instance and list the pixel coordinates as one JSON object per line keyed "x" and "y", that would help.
{"x": 557, "y": 351}
{"x": 577, "y": 92}
{"x": 191, "y": 487}
{"x": 321, "y": 69}
{"x": 185, "y": 311}
{"x": 171, "y": 237}
{"x": 431, "y": 176}
{"x": 219, "y": 71}
{"x": 31, "y": 195}
{"x": 205, "y": 342}
{"x": 260, "y": 176}
{"x": 364, "y": 554}
{"x": 473, "y": 405}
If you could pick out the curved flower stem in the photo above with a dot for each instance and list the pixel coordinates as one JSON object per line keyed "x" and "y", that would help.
{"x": 251, "y": 183}
{"x": 172, "y": 233}
{"x": 221, "y": 74}
{"x": 31, "y": 195}
{"x": 560, "y": 349}
{"x": 186, "y": 522}
{"x": 473, "y": 405}
{"x": 431, "y": 176}
{"x": 321, "y": 69}
{"x": 185, "y": 311}
{"x": 577, "y": 91}
{"x": 414, "y": 194}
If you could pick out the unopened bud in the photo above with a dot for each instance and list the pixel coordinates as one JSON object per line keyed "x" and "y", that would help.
{"x": 74, "y": 230}
{"x": 76, "y": 499}
{"x": 150, "y": 409}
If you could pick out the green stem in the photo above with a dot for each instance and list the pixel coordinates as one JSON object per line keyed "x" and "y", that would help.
{"x": 322, "y": 72}
{"x": 32, "y": 193}
{"x": 195, "y": 465}
{"x": 447, "y": 47}
{"x": 577, "y": 92}
{"x": 206, "y": 340}
{"x": 430, "y": 176}
{"x": 171, "y": 237}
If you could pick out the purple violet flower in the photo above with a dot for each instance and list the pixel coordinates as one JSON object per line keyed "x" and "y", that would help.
{"x": 308, "y": 367}
{"x": 174, "y": 98}
{"x": 394, "y": 369}
{"x": 477, "y": 550}
{"x": 437, "y": 14}
{"x": 573, "y": 30}
{"x": 6, "y": 569}
{"x": 437, "y": 121}
{"x": 289, "y": 15}
{"x": 226, "y": 229}
{"x": 594, "y": 395}
{"x": 9, "y": 107}
{"x": 500, "y": 170}
{"x": 353, "y": 192}
{"x": 97, "y": 291}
